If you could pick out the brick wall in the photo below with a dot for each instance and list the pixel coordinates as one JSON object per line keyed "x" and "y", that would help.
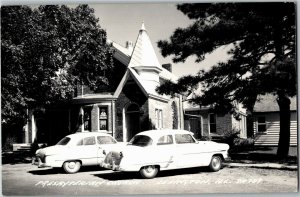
{"x": 224, "y": 123}
{"x": 167, "y": 112}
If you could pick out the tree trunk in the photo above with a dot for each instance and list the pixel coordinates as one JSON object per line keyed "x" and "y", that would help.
{"x": 284, "y": 136}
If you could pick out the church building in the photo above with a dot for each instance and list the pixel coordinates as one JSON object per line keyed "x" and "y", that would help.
{"x": 134, "y": 105}
{"x": 128, "y": 106}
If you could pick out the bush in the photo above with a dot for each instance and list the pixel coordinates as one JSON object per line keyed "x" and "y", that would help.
{"x": 205, "y": 138}
{"x": 229, "y": 137}
{"x": 34, "y": 147}
{"x": 235, "y": 142}
{"x": 240, "y": 144}
{"x": 249, "y": 142}
{"x": 8, "y": 145}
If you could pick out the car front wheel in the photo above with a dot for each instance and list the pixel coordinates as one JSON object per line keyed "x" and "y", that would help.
{"x": 215, "y": 163}
{"x": 71, "y": 167}
{"x": 149, "y": 172}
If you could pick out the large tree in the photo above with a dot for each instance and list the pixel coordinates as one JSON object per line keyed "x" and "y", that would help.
{"x": 262, "y": 59}
{"x": 45, "y": 52}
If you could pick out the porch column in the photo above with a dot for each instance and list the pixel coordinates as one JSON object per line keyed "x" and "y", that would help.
{"x": 26, "y": 129}
{"x": 33, "y": 128}
{"x": 124, "y": 125}
{"x": 113, "y": 118}
{"x": 181, "y": 116}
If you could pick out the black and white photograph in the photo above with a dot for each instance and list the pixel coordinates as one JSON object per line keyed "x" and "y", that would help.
{"x": 149, "y": 98}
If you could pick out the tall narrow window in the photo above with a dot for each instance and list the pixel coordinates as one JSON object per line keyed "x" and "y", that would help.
{"x": 87, "y": 118}
{"x": 103, "y": 118}
{"x": 158, "y": 119}
{"x": 212, "y": 123}
{"x": 261, "y": 124}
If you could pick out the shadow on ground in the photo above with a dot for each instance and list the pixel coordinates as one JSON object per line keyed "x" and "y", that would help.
{"x": 48, "y": 171}
{"x": 16, "y": 158}
{"x": 114, "y": 176}
{"x": 261, "y": 155}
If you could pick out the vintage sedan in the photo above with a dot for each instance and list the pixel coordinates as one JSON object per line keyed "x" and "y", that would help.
{"x": 152, "y": 151}
{"x": 76, "y": 150}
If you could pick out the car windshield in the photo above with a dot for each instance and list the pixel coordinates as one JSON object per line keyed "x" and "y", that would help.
{"x": 64, "y": 141}
{"x": 106, "y": 140}
{"x": 140, "y": 140}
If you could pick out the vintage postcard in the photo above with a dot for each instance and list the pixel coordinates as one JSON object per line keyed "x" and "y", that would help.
{"x": 146, "y": 98}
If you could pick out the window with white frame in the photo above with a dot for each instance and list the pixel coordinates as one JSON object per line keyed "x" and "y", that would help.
{"x": 158, "y": 118}
{"x": 103, "y": 118}
{"x": 261, "y": 124}
{"x": 87, "y": 118}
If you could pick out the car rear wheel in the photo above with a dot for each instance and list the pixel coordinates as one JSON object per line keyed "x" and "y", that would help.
{"x": 71, "y": 167}
{"x": 215, "y": 163}
{"x": 149, "y": 172}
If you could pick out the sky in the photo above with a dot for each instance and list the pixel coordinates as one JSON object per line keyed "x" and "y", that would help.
{"x": 122, "y": 23}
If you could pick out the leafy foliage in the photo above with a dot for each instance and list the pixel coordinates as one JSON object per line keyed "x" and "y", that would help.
{"x": 46, "y": 52}
{"x": 263, "y": 59}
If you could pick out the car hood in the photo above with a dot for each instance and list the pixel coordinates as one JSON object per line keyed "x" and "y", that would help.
{"x": 51, "y": 150}
{"x": 215, "y": 145}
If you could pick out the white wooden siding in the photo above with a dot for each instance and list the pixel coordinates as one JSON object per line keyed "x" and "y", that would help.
{"x": 271, "y": 137}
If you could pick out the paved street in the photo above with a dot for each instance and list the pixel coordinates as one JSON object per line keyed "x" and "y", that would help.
{"x": 25, "y": 179}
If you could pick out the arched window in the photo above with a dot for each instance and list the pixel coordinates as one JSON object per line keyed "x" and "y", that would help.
{"x": 133, "y": 108}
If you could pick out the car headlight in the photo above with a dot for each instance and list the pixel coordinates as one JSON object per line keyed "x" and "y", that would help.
{"x": 37, "y": 151}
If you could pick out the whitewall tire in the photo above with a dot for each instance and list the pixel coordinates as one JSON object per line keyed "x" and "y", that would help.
{"x": 149, "y": 172}
{"x": 71, "y": 167}
{"x": 215, "y": 163}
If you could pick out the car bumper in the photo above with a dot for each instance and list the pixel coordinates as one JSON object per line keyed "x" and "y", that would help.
{"x": 110, "y": 166}
{"x": 38, "y": 162}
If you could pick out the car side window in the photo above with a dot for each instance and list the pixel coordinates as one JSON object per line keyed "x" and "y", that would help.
{"x": 184, "y": 139}
{"x": 105, "y": 140}
{"x": 87, "y": 141}
{"x": 164, "y": 140}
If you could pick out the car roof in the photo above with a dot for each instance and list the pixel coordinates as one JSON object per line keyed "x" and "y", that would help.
{"x": 87, "y": 134}
{"x": 158, "y": 133}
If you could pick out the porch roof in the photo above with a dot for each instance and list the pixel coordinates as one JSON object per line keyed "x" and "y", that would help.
{"x": 92, "y": 98}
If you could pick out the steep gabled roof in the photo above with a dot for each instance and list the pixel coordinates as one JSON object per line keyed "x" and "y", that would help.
{"x": 268, "y": 103}
{"x": 143, "y": 53}
{"x": 124, "y": 80}
{"x": 141, "y": 57}
{"x": 123, "y": 55}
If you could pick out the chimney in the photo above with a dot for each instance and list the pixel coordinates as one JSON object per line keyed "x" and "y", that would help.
{"x": 167, "y": 67}
{"x": 129, "y": 45}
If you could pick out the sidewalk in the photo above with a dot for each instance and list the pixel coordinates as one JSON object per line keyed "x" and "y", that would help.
{"x": 263, "y": 165}
{"x": 263, "y": 157}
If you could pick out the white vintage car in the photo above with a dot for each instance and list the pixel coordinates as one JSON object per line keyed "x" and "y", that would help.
{"x": 151, "y": 151}
{"x": 76, "y": 150}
